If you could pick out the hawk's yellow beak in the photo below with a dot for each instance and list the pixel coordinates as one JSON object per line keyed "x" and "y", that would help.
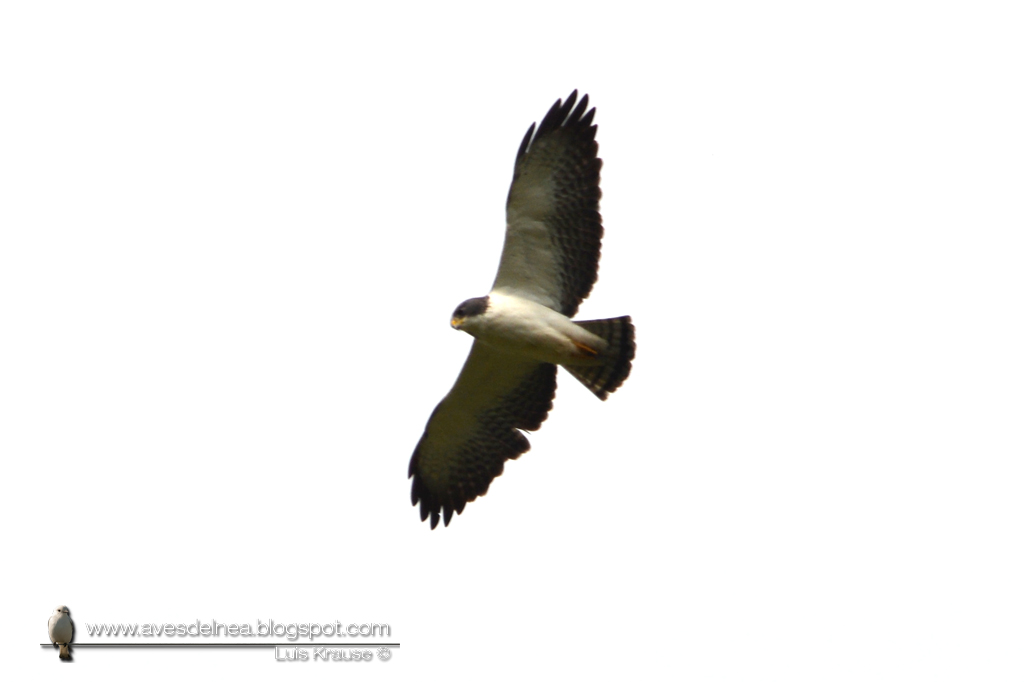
{"x": 457, "y": 322}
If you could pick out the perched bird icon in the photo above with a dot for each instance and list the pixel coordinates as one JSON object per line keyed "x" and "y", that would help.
{"x": 61, "y": 630}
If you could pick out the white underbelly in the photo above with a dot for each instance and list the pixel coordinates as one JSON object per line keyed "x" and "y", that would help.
{"x": 522, "y": 327}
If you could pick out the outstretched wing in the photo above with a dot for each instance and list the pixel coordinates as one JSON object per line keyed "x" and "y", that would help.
{"x": 475, "y": 429}
{"x": 553, "y": 231}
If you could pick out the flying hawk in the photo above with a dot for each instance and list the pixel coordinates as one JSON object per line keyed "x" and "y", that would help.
{"x": 523, "y": 329}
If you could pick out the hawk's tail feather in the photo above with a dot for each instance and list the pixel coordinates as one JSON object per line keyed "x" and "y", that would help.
{"x": 604, "y": 379}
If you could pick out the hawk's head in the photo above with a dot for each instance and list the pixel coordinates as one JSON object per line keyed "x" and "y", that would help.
{"x": 469, "y": 309}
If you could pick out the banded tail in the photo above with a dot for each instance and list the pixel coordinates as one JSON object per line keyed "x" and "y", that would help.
{"x": 604, "y": 379}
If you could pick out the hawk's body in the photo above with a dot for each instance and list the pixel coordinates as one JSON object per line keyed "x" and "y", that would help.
{"x": 523, "y": 328}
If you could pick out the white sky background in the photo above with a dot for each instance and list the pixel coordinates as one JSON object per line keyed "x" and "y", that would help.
{"x": 232, "y": 238}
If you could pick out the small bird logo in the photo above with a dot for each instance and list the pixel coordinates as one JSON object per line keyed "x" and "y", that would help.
{"x": 61, "y": 630}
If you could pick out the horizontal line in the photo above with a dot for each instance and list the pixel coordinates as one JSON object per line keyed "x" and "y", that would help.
{"x": 367, "y": 645}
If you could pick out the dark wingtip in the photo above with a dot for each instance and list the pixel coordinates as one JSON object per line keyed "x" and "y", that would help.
{"x": 589, "y": 118}
{"x": 577, "y": 113}
{"x": 526, "y": 140}
{"x": 560, "y": 114}
{"x": 569, "y": 101}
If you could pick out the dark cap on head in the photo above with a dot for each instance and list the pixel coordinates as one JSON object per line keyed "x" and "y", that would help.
{"x": 472, "y": 307}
